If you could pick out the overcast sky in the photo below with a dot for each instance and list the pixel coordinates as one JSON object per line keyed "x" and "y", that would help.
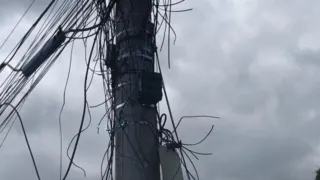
{"x": 254, "y": 63}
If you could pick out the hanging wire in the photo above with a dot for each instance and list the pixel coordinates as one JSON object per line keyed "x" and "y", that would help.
{"x": 25, "y": 137}
{"x": 84, "y": 20}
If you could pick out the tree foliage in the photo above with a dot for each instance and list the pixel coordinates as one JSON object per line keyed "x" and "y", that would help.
{"x": 318, "y": 174}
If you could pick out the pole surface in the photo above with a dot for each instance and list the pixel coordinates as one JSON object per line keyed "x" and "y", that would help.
{"x": 136, "y": 138}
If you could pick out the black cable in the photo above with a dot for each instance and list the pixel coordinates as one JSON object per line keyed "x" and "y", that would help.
{"x": 194, "y": 152}
{"x": 169, "y": 35}
{"x": 31, "y": 29}
{"x": 177, "y": 11}
{"x": 110, "y": 6}
{"x": 24, "y": 14}
{"x": 26, "y": 138}
{"x": 203, "y": 139}
{"x": 68, "y": 13}
{"x": 63, "y": 104}
{"x": 199, "y": 116}
{"x": 7, "y": 133}
{"x": 170, "y": 111}
{"x": 194, "y": 167}
{"x": 172, "y": 4}
{"x": 83, "y": 115}
{"x": 87, "y": 127}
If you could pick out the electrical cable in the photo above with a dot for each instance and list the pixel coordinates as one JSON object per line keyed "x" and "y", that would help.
{"x": 63, "y": 104}
{"x": 82, "y": 119}
{"x": 23, "y": 15}
{"x": 26, "y": 138}
{"x": 83, "y": 20}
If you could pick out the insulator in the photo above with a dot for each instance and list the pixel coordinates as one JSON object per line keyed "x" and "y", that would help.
{"x": 45, "y": 52}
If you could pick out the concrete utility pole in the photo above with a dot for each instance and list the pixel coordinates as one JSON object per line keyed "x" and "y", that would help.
{"x": 136, "y": 142}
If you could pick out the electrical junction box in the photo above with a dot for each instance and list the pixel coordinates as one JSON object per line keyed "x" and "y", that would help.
{"x": 170, "y": 164}
{"x": 150, "y": 88}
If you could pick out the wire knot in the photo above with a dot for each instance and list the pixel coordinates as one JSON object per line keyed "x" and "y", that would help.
{"x": 174, "y": 145}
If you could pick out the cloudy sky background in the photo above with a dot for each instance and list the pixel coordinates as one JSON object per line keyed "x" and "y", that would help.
{"x": 254, "y": 63}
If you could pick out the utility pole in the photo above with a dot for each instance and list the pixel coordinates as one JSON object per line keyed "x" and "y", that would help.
{"x": 136, "y": 143}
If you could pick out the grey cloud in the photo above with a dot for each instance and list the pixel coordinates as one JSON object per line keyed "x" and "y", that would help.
{"x": 229, "y": 83}
{"x": 242, "y": 62}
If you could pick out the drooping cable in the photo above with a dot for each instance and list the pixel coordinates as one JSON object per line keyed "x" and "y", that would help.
{"x": 25, "y": 137}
